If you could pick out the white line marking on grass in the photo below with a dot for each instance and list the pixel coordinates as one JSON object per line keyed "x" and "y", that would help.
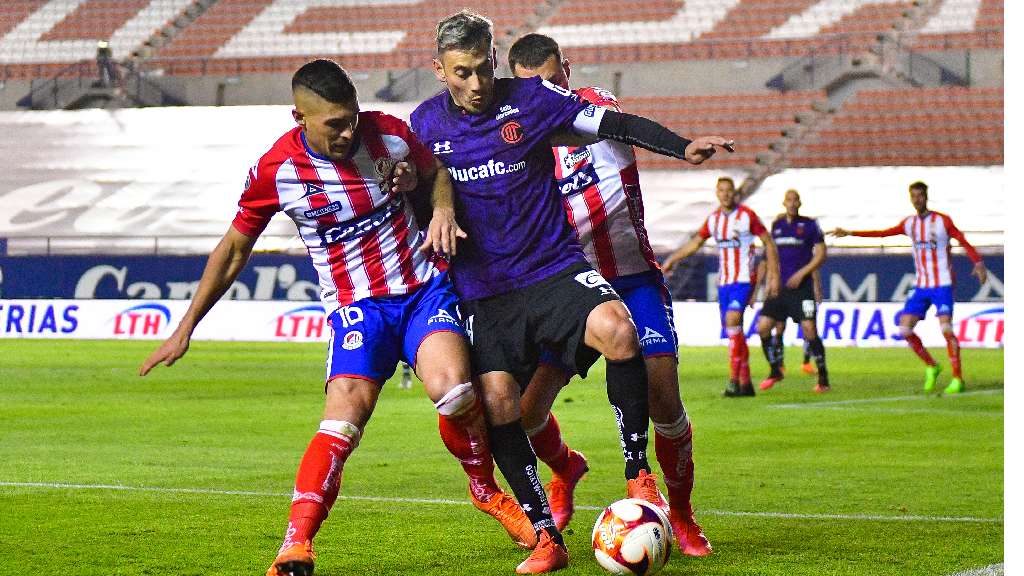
{"x": 991, "y": 570}
{"x": 447, "y": 502}
{"x": 883, "y": 399}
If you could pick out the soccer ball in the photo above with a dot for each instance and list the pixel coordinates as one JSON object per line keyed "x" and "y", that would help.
{"x": 632, "y": 536}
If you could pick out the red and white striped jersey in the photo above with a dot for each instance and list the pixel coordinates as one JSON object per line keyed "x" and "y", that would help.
{"x": 600, "y": 188}
{"x": 734, "y": 233}
{"x": 362, "y": 239}
{"x": 930, "y": 234}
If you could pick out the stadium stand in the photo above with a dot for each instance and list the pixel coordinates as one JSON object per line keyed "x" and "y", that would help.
{"x": 231, "y": 36}
{"x": 753, "y": 120}
{"x": 909, "y": 127}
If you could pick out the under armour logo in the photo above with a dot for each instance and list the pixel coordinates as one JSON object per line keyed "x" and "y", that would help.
{"x": 443, "y": 147}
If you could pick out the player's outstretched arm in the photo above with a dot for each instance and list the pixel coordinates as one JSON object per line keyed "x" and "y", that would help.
{"x": 443, "y": 232}
{"x": 222, "y": 267}
{"x": 647, "y": 134}
{"x": 683, "y": 252}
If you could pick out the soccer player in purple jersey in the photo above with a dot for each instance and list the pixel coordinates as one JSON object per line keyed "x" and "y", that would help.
{"x": 801, "y": 247}
{"x": 520, "y": 271}
{"x": 600, "y": 187}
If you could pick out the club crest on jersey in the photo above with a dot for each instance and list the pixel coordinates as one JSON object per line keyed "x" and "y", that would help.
{"x": 512, "y": 132}
{"x": 352, "y": 340}
{"x": 506, "y": 111}
{"x": 384, "y": 167}
{"x": 443, "y": 147}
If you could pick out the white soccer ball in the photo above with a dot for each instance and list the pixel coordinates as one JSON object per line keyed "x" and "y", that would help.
{"x": 632, "y": 536}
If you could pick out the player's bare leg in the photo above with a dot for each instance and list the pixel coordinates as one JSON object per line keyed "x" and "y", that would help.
{"x": 673, "y": 445}
{"x": 931, "y": 370}
{"x": 349, "y": 404}
{"x": 739, "y": 356}
{"x": 772, "y": 353}
{"x": 517, "y": 462}
{"x": 956, "y": 385}
{"x": 442, "y": 363}
{"x": 567, "y": 466}
{"x": 610, "y": 331}
{"x": 817, "y": 350}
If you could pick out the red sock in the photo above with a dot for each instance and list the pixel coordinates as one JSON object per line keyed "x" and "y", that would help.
{"x": 734, "y": 357}
{"x": 550, "y": 448}
{"x": 915, "y": 344}
{"x": 744, "y": 361}
{"x": 675, "y": 455}
{"x": 953, "y": 349}
{"x": 465, "y": 436}
{"x": 319, "y": 479}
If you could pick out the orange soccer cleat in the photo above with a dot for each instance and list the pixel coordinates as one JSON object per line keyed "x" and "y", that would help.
{"x": 769, "y": 382}
{"x": 506, "y": 510}
{"x": 808, "y": 368}
{"x": 560, "y": 489}
{"x": 645, "y": 487}
{"x": 546, "y": 557}
{"x": 295, "y": 560}
{"x": 689, "y": 535}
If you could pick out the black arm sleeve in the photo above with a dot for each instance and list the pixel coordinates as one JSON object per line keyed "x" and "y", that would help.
{"x": 639, "y": 131}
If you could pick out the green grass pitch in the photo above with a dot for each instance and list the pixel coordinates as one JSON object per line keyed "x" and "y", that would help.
{"x": 874, "y": 478}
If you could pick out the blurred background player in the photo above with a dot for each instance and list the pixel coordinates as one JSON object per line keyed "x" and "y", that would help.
{"x": 600, "y": 189}
{"x": 930, "y": 232}
{"x": 340, "y": 175}
{"x": 801, "y": 248}
{"x": 521, "y": 271}
{"x": 734, "y": 228}
{"x": 807, "y": 367}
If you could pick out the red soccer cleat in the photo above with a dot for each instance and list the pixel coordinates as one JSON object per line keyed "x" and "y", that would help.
{"x": 506, "y": 510}
{"x": 769, "y": 382}
{"x": 822, "y": 388}
{"x": 560, "y": 489}
{"x": 295, "y": 560}
{"x": 689, "y": 535}
{"x": 645, "y": 487}
{"x": 546, "y": 557}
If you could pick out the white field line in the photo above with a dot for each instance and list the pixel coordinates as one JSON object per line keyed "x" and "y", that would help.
{"x": 446, "y": 502}
{"x": 829, "y": 404}
{"x": 991, "y": 570}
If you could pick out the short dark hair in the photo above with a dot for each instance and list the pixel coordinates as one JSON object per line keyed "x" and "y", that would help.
{"x": 726, "y": 179}
{"x": 464, "y": 30}
{"x": 327, "y": 79}
{"x": 532, "y": 51}
{"x": 920, "y": 186}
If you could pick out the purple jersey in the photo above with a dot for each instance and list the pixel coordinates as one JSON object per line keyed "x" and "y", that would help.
{"x": 506, "y": 197}
{"x": 795, "y": 241}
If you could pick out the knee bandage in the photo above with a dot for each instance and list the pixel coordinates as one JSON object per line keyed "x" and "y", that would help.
{"x": 341, "y": 429}
{"x": 457, "y": 401}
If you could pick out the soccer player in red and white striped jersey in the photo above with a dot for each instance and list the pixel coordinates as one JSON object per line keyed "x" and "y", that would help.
{"x": 734, "y": 228}
{"x": 931, "y": 233}
{"x": 342, "y": 176}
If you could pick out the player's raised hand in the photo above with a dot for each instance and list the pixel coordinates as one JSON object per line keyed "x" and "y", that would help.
{"x": 839, "y": 232}
{"x": 980, "y": 272}
{"x": 169, "y": 351}
{"x": 443, "y": 233}
{"x": 404, "y": 178}
{"x": 705, "y": 147}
